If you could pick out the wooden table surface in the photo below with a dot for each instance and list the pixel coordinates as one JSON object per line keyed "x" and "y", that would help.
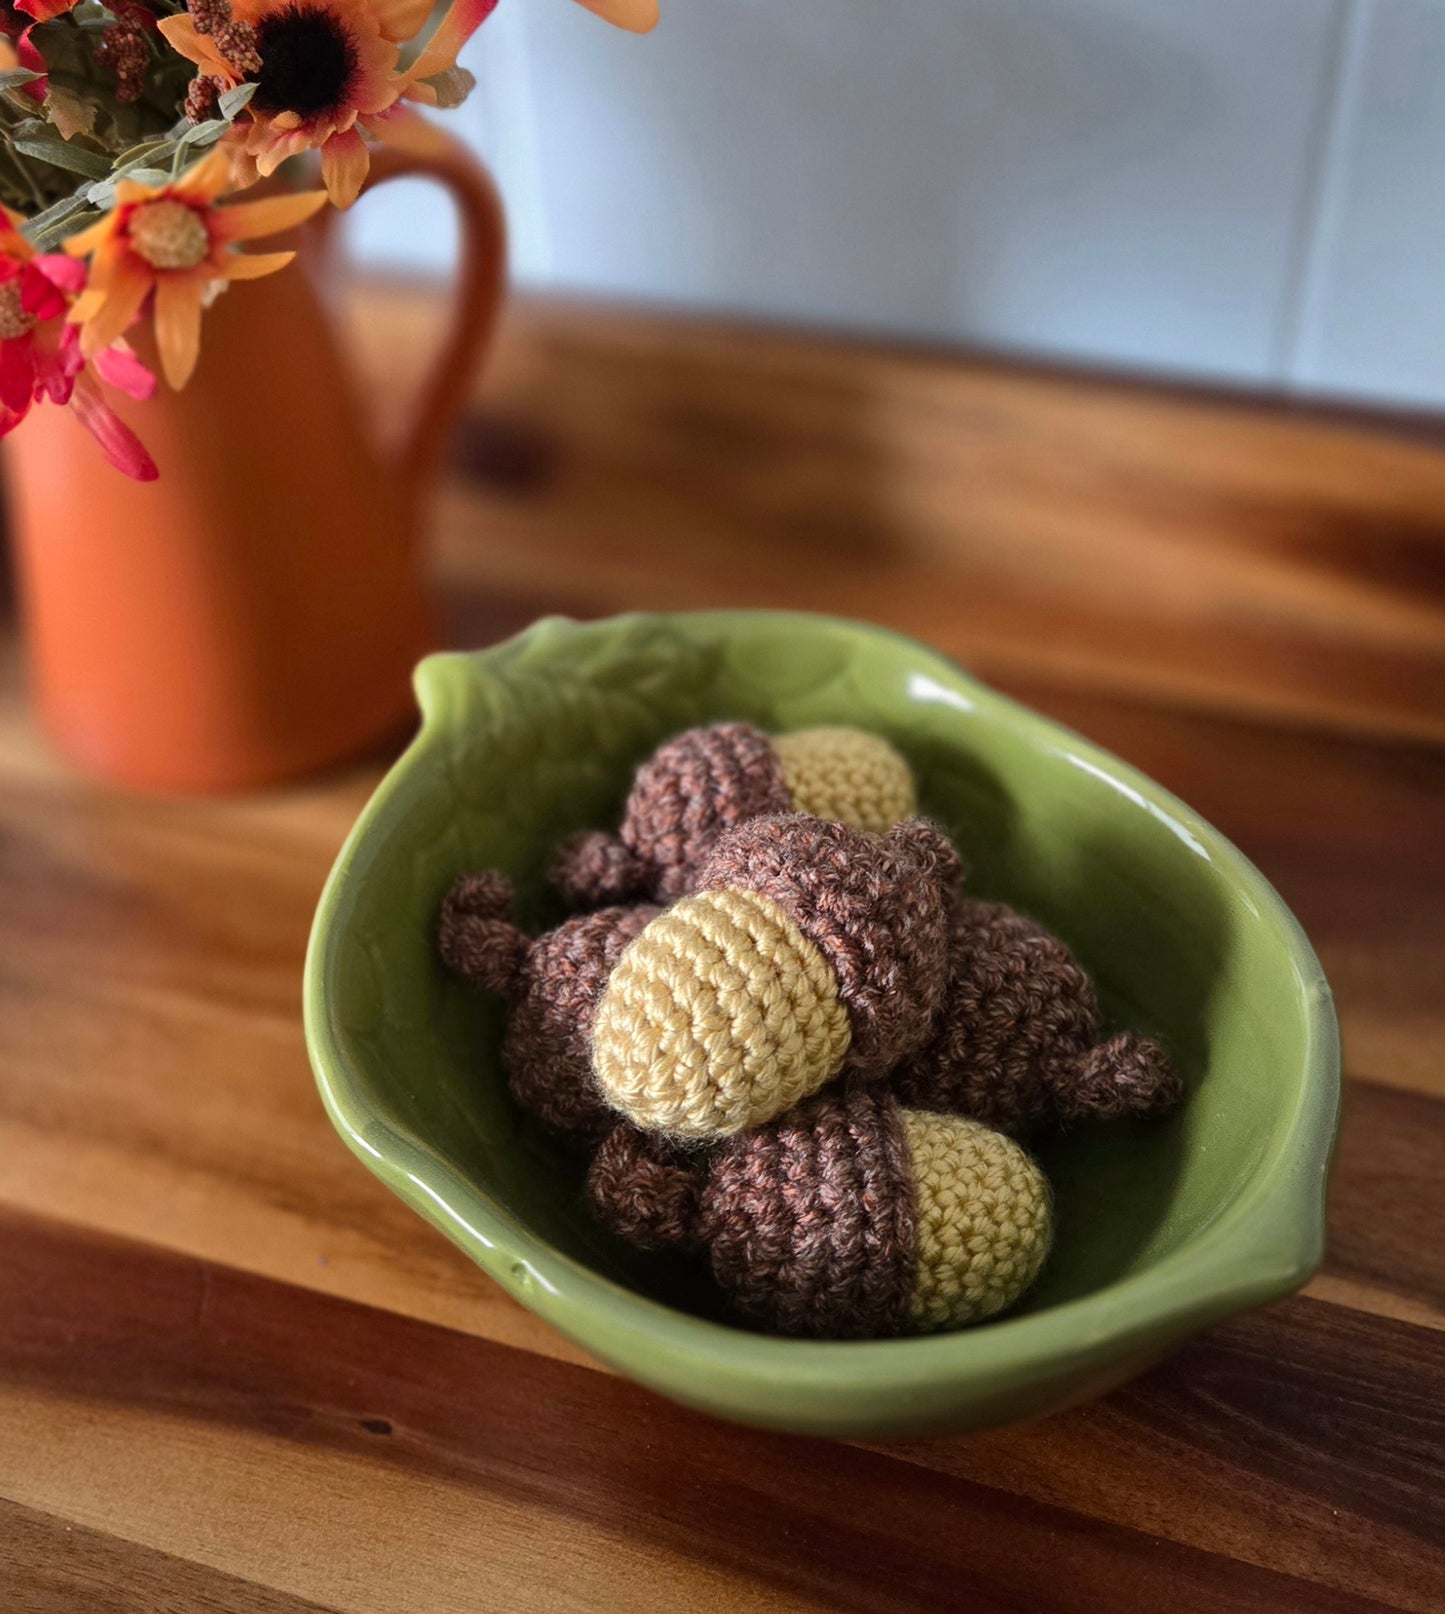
{"x": 236, "y": 1374}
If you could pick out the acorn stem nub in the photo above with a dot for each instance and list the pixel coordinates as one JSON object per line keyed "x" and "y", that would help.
{"x": 478, "y": 942}
{"x": 595, "y": 870}
{"x": 645, "y": 1189}
{"x": 1127, "y": 1075}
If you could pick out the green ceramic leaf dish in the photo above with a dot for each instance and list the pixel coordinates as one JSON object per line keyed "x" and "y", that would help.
{"x": 1162, "y": 1228}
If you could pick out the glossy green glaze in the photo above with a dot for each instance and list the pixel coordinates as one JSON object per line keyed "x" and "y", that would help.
{"x": 1162, "y": 1227}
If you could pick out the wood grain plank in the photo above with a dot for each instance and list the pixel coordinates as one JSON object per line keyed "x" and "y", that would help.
{"x": 1389, "y": 1184}
{"x": 319, "y": 1521}
{"x": 156, "y": 1077}
{"x": 50, "y": 1566}
{"x": 1130, "y": 538}
{"x": 1225, "y": 1445}
{"x": 204, "y": 1353}
{"x": 1248, "y": 604}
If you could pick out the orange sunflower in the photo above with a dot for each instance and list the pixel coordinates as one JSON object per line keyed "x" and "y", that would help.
{"x": 176, "y": 243}
{"x": 318, "y": 67}
{"x": 326, "y": 71}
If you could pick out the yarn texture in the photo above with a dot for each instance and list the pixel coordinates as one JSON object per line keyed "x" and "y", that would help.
{"x": 552, "y": 987}
{"x": 983, "y": 1217}
{"x": 719, "y": 1016}
{"x": 547, "y": 1049}
{"x": 878, "y": 908}
{"x": 1016, "y": 1044}
{"x": 1128, "y": 1075}
{"x": 711, "y": 779}
{"x": 646, "y": 1188}
{"x": 846, "y": 1218}
{"x": 809, "y": 1222}
{"x": 807, "y": 942}
{"x": 689, "y": 791}
{"x": 847, "y": 775}
{"x": 475, "y": 938}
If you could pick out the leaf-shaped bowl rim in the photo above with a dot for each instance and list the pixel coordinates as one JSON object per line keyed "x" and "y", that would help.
{"x": 1262, "y": 1245}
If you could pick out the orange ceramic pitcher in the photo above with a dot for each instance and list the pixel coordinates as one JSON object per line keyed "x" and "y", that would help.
{"x": 255, "y": 613}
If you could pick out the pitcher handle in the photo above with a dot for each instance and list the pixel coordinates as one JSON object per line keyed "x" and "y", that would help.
{"x": 481, "y": 282}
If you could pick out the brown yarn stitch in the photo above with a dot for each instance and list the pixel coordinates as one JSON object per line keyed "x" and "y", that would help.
{"x": 646, "y": 1189}
{"x": 878, "y": 907}
{"x": 811, "y": 1222}
{"x": 692, "y": 788}
{"x": 552, "y": 986}
{"x": 477, "y": 940}
{"x": 808, "y": 1221}
{"x": 710, "y": 779}
{"x": 1017, "y": 1043}
{"x": 847, "y": 1218}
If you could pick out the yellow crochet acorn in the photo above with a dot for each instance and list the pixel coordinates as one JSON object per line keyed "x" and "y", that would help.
{"x": 848, "y": 775}
{"x": 808, "y": 949}
{"x": 984, "y": 1220}
{"x": 711, "y": 779}
{"x": 849, "y": 1217}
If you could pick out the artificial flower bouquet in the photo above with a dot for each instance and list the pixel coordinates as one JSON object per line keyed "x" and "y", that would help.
{"x": 126, "y": 131}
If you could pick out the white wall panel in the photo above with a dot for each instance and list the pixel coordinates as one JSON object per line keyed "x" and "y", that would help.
{"x": 1246, "y": 190}
{"x": 1105, "y": 179}
{"x": 408, "y": 225}
{"x": 1375, "y": 326}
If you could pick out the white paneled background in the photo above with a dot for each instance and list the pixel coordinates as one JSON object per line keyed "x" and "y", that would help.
{"x": 1241, "y": 190}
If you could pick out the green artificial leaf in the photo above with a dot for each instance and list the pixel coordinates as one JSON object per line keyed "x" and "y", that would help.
{"x": 199, "y": 134}
{"x": 13, "y": 77}
{"x": 233, "y": 101}
{"x": 56, "y": 222}
{"x": 61, "y": 153}
{"x": 147, "y": 151}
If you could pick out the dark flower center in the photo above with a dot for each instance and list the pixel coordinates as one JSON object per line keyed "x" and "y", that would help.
{"x": 307, "y": 62}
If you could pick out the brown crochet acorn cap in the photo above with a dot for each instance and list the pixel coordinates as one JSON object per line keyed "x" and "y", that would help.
{"x": 808, "y": 948}
{"x": 646, "y": 1188}
{"x": 847, "y": 1218}
{"x": 552, "y": 986}
{"x": 811, "y": 1224}
{"x": 878, "y": 907}
{"x": 709, "y": 779}
{"x": 1017, "y": 1044}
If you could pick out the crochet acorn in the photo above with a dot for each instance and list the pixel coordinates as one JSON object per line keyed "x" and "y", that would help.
{"x": 812, "y": 950}
{"x": 1017, "y": 1044}
{"x": 807, "y": 949}
{"x": 849, "y": 1217}
{"x": 711, "y": 779}
{"x": 552, "y": 986}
